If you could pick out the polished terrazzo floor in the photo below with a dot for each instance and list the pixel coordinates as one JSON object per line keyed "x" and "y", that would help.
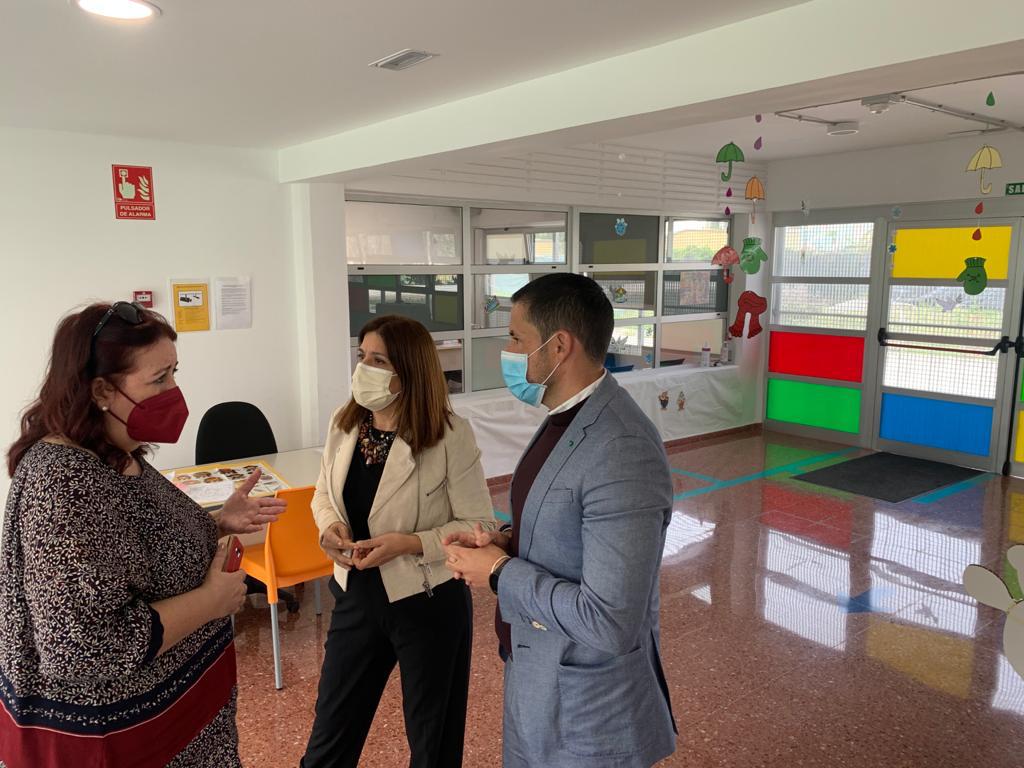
{"x": 800, "y": 627}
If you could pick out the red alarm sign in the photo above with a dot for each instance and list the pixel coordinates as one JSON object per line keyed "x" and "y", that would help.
{"x": 143, "y": 298}
{"x": 133, "y": 192}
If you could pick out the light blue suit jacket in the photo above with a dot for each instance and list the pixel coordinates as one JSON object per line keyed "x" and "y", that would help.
{"x": 585, "y": 686}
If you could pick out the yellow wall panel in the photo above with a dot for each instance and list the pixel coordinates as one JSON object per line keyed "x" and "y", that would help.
{"x": 1019, "y": 450}
{"x": 939, "y": 253}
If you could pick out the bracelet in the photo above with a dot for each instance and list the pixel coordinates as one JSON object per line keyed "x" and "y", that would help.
{"x": 499, "y": 562}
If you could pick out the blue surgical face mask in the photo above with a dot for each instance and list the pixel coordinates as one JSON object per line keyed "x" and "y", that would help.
{"x": 513, "y": 370}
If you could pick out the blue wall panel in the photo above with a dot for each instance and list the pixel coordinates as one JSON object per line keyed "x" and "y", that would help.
{"x": 959, "y": 427}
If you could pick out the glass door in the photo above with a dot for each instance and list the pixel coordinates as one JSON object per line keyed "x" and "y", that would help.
{"x": 946, "y": 345}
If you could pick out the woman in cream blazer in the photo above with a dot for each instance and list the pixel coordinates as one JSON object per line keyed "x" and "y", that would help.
{"x": 400, "y": 472}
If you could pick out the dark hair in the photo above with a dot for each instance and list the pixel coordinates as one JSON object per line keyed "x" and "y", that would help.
{"x": 65, "y": 406}
{"x": 424, "y": 411}
{"x": 573, "y": 303}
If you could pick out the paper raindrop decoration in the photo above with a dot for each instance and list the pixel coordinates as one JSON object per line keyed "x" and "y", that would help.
{"x": 728, "y": 192}
{"x": 754, "y": 192}
{"x": 728, "y": 211}
{"x": 757, "y": 118}
{"x": 759, "y": 143}
{"x": 983, "y": 160}
{"x": 979, "y": 208}
{"x": 726, "y": 258}
{"x": 976, "y": 235}
{"x": 730, "y": 154}
{"x": 991, "y": 99}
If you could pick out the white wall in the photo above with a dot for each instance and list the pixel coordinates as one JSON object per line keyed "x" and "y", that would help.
{"x": 916, "y": 173}
{"x": 218, "y": 212}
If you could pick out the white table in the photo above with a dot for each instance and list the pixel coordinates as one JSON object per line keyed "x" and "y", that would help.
{"x": 714, "y": 402}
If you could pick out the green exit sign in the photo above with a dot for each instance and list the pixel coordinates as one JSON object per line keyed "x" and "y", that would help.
{"x": 1016, "y": 188}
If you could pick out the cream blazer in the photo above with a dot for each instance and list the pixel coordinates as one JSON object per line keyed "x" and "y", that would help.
{"x": 441, "y": 491}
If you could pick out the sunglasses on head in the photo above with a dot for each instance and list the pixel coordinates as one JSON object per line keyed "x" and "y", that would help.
{"x": 129, "y": 311}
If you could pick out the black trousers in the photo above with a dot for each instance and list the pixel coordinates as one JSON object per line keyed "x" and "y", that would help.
{"x": 431, "y": 638}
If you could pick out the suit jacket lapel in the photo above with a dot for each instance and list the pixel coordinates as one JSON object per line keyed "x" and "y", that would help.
{"x": 340, "y": 465}
{"x": 566, "y": 446}
{"x": 397, "y": 469}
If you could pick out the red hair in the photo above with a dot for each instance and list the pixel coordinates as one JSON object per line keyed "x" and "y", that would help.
{"x": 65, "y": 406}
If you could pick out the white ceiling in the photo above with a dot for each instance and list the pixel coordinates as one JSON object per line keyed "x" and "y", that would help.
{"x": 269, "y": 73}
{"x": 901, "y": 125}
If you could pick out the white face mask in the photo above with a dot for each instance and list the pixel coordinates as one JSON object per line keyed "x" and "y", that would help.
{"x": 371, "y": 387}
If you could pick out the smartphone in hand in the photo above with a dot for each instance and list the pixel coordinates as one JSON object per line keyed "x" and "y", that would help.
{"x": 234, "y": 558}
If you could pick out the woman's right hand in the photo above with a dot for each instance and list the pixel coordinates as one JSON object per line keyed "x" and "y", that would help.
{"x": 337, "y": 544}
{"x": 225, "y": 592}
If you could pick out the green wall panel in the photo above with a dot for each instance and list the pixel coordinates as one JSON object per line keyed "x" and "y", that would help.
{"x": 814, "y": 405}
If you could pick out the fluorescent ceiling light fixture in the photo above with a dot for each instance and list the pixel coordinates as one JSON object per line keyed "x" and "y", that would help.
{"x": 129, "y": 10}
{"x": 402, "y": 60}
{"x": 843, "y": 129}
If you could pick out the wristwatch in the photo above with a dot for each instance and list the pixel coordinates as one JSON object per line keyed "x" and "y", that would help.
{"x": 496, "y": 572}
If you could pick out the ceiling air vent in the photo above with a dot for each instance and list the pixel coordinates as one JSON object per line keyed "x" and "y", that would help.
{"x": 402, "y": 59}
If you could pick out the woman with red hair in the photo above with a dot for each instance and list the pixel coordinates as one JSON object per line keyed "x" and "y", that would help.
{"x": 115, "y": 644}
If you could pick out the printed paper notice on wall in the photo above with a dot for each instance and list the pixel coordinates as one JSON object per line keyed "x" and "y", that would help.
{"x": 191, "y": 302}
{"x": 233, "y": 302}
{"x": 133, "y": 192}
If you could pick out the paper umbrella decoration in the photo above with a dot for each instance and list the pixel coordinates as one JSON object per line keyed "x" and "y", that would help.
{"x": 985, "y": 159}
{"x": 730, "y": 154}
{"x": 726, "y": 258}
{"x": 754, "y": 192}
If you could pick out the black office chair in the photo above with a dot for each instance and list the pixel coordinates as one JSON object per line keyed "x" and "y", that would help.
{"x": 231, "y": 431}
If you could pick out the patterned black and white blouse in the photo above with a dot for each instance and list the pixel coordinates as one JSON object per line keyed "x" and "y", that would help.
{"x": 85, "y": 551}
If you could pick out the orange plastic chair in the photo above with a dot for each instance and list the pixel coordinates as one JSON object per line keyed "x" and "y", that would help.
{"x": 290, "y": 555}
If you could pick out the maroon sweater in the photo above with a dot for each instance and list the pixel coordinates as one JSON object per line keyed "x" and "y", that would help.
{"x": 529, "y": 467}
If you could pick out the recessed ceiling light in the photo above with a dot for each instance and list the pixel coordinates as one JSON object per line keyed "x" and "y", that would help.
{"x": 129, "y": 10}
{"x": 402, "y": 60}
{"x": 843, "y": 129}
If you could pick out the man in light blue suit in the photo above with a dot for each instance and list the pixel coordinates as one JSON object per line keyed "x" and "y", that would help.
{"x": 576, "y": 573}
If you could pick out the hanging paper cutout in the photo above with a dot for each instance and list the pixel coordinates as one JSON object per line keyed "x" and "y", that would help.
{"x": 491, "y": 304}
{"x": 749, "y": 304}
{"x": 757, "y": 118}
{"x": 728, "y": 192}
{"x": 726, "y": 258}
{"x": 892, "y": 247}
{"x": 973, "y": 277}
{"x": 805, "y": 209}
{"x": 990, "y": 99}
{"x": 759, "y": 143}
{"x": 681, "y": 401}
{"x": 976, "y": 235}
{"x": 985, "y": 159}
{"x": 980, "y": 208}
{"x": 897, "y": 212}
{"x": 728, "y": 211}
{"x": 988, "y": 589}
{"x": 730, "y": 154}
{"x": 663, "y": 399}
{"x": 754, "y": 192}
{"x": 752, "y": 256}
{"x": 619, "y": 295}
{"x": 620, "y": 227}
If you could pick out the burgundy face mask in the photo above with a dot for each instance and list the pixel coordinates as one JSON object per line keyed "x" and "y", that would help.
{"x": 157, "y": 419}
